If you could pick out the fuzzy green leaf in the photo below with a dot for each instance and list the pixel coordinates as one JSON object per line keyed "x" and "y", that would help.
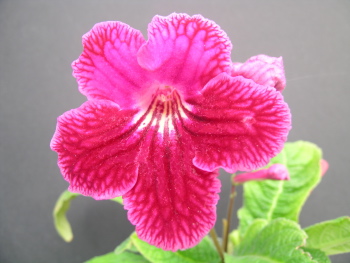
{"x": 127, "y": 244}
{"x": 230, "y": 259}
{"x": 234, "y": 238}
{"x": 59, "y": 215}
{"x": 332, "y": 237}
{"x": 125, "y": 257}
{"x": 204, "y": 252}
{"x": 62, "y": 206}
{"x": 274, "y": 199}
{"x": 275, "y": 242}
{"x": 118, "y": 199}
{"x": 317, "y": 255}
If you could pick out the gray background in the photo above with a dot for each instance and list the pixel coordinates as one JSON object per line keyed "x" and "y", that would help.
{"x": 40, "y": 39}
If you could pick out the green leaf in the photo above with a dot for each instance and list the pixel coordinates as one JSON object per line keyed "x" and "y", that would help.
{"x": 62, "y": 225}
{"x": 204, "y": 252}
{"x": 127, "y": 244}
{"x": 317, "y": 255}
{"x": 118, "y": 199}
{"x": 125, "y": 257}
{"x": 59, "y": 214}
{"x": 332, "y": 237}
{"x": 254, "y": 228}
{"x": 234, "y": 238}
{"x": 274, "y": 199}
{"x": 275, "y": 242}
{"x": 229, "y": 258}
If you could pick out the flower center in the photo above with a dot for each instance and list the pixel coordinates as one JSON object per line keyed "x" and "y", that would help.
{"x": 163, "y": 111}
{"x": 165, "y": 93}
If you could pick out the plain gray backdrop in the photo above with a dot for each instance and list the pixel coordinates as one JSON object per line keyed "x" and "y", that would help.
{"x": 40, "y": 39}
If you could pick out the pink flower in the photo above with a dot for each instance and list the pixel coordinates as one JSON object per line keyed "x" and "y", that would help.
{"x": 274, "y": 172}
{"x": 324, "y": 167}
{"x": 265, "y": 70}
{"x": 162, "y": 116}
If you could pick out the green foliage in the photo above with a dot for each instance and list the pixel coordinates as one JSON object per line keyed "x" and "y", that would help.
{"x": 268, "y": 229}
{"x": 118, "y": 199}
{"x": 276, "y": 241}
{"x": 234, "y": 239}
{"x": 127, "y": 244}
{"x": 135, "y": 249}
{"x": 62, "y": 206}
{"x": 125, "y": 257}
{"x": 332, "y": 237}
{"x": 275, "y": 199}
{"x": 204, "y": 252}
{"x": 317, "y": 255}
{"x": 62, "y": 225}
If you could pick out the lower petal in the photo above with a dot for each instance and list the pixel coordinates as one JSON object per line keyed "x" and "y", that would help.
{"x": 173, "y": 202}
{"x": 96, "y": 148}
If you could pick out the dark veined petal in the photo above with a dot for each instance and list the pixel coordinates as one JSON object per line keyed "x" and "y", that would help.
{"x": 185, "y": 51}
{"x": 236, "y": 124}
{"x": 97, "y": 149}
{"x": 264, "y": 70}
{"x": 108, "y": 67}
{"x": 173, "y": 202}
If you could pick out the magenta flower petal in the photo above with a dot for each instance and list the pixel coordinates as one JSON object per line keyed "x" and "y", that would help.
{"x": 108, "y": 67}
{"x": 173, "y": 202}
{"x": 162, "y": 116}
{"x": 185, "y": 51}
{"x": 274, "y": 172}
{"x": 96, "y": 149}
{"x": 237, "y": 124}
{"x": 264, "y": 70}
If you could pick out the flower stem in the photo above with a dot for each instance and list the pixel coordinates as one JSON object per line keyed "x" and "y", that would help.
{"x": 216, "y": 243}
{"x": 224, "y": 231}
{"x": 227, "y": 221}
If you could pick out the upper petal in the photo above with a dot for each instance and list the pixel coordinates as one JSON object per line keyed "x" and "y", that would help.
{"x": 108, "y": 67}
{"x": 185, "y": 51}
{"x": 264, "y": 70}
{"x": 236, "y": 124}
{"x": 97, "y": 148}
